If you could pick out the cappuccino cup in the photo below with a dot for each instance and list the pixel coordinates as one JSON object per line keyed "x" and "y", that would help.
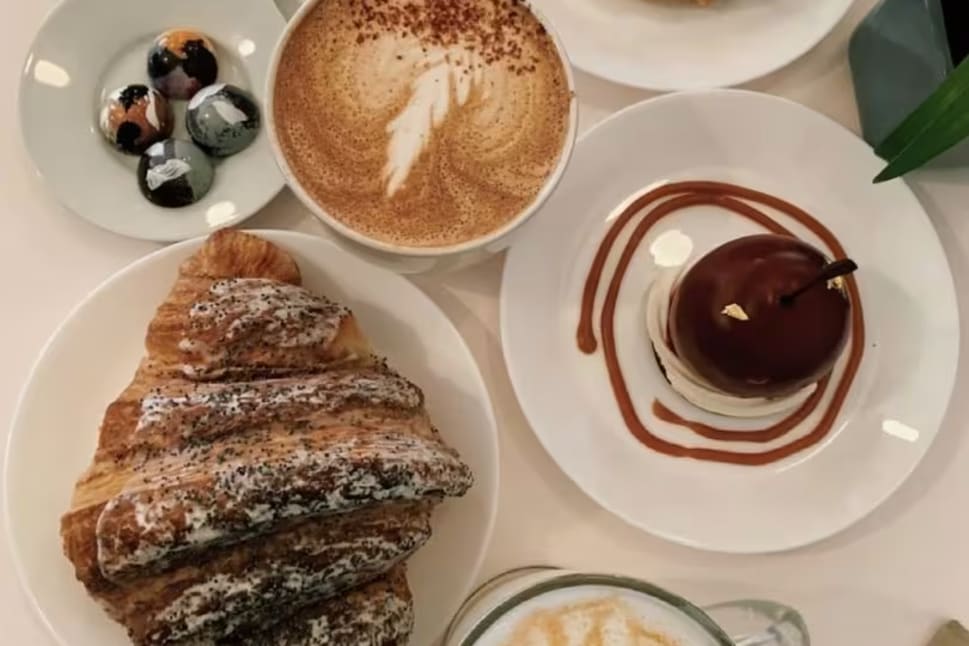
{"x": 543, "y": 606}
{"x": 422, "y": 132}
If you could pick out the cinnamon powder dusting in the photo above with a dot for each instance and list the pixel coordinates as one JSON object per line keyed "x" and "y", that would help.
{"x": 496, "y": 32}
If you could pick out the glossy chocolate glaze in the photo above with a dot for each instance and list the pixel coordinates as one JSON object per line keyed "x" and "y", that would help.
{"x": 738, "y": 200}
{"x": 780, "y": 347}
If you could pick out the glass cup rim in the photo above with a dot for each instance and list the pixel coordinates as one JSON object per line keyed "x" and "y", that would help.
{"x": 374, "y": 244}
{"x": 567, "y": 579}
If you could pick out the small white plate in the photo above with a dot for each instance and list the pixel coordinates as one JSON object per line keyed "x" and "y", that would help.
{"x": 676, "y": 45}
{"x": 906, "y": 377}
{"x": 88, "y": 48}
{"x": 92, "y": 356}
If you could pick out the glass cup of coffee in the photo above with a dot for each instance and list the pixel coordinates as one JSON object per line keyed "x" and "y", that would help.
{"x": 424, "y": 133}
{"x": 552, "y": 607}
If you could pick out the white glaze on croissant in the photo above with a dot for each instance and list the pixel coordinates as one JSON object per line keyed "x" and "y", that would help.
{"x": 262, "y": 463}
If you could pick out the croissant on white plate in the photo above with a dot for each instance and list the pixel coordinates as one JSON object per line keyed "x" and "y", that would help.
{"x": 264, "y": 476}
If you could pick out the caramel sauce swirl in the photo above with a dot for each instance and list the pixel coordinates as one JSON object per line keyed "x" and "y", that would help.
{"x": 664, "y": 202}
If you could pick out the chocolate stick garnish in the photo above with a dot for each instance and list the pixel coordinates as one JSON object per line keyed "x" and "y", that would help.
{"x": 830, "y": 271}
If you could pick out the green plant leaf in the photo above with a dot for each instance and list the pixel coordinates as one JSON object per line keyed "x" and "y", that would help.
{"x": 939, "y": 101}
{"x": 941, "y": 122}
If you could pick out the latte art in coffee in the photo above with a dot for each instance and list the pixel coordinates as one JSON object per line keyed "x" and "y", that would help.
{"x": 595, "y": 616}
{"x": 422, "y": 123}
{"x": 590, "y": 623}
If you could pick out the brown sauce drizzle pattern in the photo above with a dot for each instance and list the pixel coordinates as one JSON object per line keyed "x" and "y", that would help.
{"x": 728, "y": 196}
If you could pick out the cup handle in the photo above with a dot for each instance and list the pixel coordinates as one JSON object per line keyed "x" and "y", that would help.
{"x": 760, "y": 623}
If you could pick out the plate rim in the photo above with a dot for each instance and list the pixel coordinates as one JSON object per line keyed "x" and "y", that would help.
{"x": 56, "y": 191}
{"x": 276, "y": 236}
{"x": 780, "y": 63}
{"x": 788, "y": 546}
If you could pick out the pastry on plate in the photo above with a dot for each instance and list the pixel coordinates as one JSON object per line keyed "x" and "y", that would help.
{"x": 380, "y": 612}
{"x": 263, "y": 463}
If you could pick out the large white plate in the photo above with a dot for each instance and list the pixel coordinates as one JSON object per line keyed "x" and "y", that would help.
{"x": 675, "y": 45}
{"x": 906, "y": 377}
{"x": 92, "y": 356}
{"x": 86, "y": 49}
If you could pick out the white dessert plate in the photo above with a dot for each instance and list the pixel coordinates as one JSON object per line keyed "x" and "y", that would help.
{"x": 92, "y": 356}
{"x": 677, "y": 45}
{"x": 88, "y": 48}
{"x": 892, "y": 412}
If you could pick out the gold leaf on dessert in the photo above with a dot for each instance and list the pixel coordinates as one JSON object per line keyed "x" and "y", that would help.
{"x": 447, "y": 81}
{"x": 735, "y": 311}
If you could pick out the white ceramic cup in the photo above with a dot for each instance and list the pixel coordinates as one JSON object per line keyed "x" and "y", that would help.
{"x": 735, "y": 623}
{"x": 413, "y": 260}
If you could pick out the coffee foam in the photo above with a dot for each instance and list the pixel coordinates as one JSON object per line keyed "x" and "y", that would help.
{"x": 595, "y": 615}
{"x": 426, "y": 124}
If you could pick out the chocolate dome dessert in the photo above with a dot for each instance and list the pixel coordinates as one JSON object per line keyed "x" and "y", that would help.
{"x": 761, "y": 316}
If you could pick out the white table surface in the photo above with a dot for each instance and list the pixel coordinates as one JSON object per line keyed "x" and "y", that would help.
{"x": 888, "y": 581}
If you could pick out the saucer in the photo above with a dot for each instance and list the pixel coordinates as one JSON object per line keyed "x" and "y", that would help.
{"x": 88, "y": 48}
{"x": 677, "y": 45}
{"x": 906, "y": 375}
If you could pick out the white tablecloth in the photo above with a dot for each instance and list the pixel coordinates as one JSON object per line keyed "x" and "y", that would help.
{"x": 887, "y": 581}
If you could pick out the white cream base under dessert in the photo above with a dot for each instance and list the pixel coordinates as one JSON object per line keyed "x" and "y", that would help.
{"x": 690, "y": 385}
